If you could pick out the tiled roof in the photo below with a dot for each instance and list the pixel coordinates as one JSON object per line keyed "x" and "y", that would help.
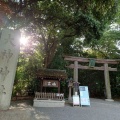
{"x": 52, "y": 74}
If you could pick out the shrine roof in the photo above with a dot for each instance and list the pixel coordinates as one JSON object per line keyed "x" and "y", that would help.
{"x": 52, "y": 74}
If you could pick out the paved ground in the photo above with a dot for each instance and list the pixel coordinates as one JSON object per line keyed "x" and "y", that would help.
{"x": 99, "y": 110}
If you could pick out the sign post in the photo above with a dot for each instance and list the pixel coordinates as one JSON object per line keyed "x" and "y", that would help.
{"x": 84, "y": 95}
{"x": 76, "y": 100}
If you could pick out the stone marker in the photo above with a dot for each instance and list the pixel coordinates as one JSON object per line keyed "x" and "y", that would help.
{"x": 9, "y": 51}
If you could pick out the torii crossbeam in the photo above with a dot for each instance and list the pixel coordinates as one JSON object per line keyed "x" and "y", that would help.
{"x": 104, "y": 68}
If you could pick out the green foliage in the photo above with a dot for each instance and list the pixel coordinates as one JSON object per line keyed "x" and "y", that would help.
{"x": 87, "y": 17}
{"x": 25, "y": 79}
{"x": 58, "y": 60}
{"x": 57, "y": 26}
{"x": 115, "y": 82}
{"x": 107, "y": 46}
{"x": 94, "y": 80}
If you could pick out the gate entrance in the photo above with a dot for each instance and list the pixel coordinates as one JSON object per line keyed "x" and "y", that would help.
{"x": 91, "y": 66}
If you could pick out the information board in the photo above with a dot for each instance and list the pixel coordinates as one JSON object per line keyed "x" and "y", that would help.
{"x": 50, "y": 83}
{"x": 76, "y": 100}
{"x": 84, "y": 95}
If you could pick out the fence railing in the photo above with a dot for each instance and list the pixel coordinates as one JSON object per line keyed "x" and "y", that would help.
{"x": 52, "y": 96}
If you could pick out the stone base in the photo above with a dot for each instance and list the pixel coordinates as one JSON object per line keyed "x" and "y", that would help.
{"x": 4, "y": 107}
{"x": 110, "y": 100}
{"x": 48, "y": 103}
{"x": 70, "y": 99}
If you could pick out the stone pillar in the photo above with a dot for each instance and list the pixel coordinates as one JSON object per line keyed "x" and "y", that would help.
{"x": 107, "y": 82}
{"x": 75, "y": 73}
{"x": 9, "y": 50}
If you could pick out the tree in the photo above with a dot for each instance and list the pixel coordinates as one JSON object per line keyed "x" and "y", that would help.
{"x": 56, "y": 23}
{"x": 72, "y": 19}
{"x": 76, "y": 18}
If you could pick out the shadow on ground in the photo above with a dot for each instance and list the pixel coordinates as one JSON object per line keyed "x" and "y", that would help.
{"x": 99, "y": 110}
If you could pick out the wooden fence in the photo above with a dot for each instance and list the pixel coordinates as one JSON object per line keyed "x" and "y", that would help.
{"x": 52, "y": 96}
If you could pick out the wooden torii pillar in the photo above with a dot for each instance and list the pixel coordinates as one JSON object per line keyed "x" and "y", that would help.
{"x": 104, "y": 68}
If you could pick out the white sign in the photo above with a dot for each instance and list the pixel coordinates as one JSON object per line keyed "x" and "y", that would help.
{"x": 76, "y": 100}
{"x": 84, "y": 95}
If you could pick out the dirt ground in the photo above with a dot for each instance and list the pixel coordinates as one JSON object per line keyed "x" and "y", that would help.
{"x": 99, "y": 110}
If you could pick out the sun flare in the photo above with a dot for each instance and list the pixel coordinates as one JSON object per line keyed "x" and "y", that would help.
{"x": 24, "y": 40}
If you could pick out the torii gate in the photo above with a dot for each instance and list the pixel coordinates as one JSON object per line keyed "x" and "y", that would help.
{"x": 104, "y": 68}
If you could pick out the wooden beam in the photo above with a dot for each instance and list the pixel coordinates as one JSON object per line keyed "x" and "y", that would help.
{"x": 95, "y": 68}
{"x": 80, "y": 59}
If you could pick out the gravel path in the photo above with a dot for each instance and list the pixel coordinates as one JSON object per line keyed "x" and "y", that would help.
{"x": 99, "y": 110}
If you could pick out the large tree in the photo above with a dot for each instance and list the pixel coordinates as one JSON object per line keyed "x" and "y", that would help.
{"x": 63, "y": 19}
{"x": 77, "y": 17}
{"x": 57, "y": 23}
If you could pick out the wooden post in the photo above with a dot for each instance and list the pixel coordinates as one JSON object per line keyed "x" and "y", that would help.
{"x": 58, "y": 86}
{"x": 107, "y": 81}
{"x": 41, "y": 85}
{"x": 69, "y": 98}
{"x": 45, "y": 89}
{"x": 75, "y": 73}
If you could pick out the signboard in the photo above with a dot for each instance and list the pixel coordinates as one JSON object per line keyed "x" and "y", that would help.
{"x": 84, "y": 95}
{"x": 50, "y": 83}
{"x": 92, "y": 63}
{"x": 76, "y": 100}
